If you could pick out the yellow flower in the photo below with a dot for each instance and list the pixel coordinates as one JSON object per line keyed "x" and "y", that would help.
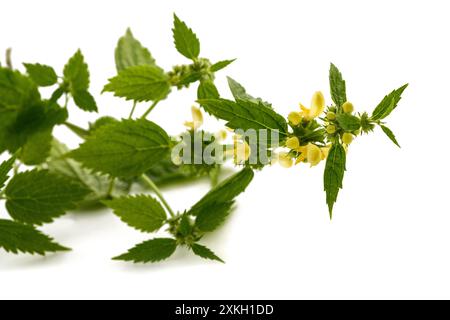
{"x": 293, "y": 143}
{"x": 221, "y": 135}
{"x": 347, "y": 107}
{"x": 317, "y": 106}
{"x": 325, "y": 151}
{"x": 302, "y": 150}
{"x": 242, "y": 151}
{"x": 285, "y": 160}
{"x": 197, "y": 119}
{"x": 295, "y": 118}
{"x": 313, "y": 154}
{"x": 347, "y": 138}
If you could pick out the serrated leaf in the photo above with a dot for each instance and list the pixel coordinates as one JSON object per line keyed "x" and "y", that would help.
{"x": 221, "y": 65}
{"x": 388, "y": 104}
{"x": 143, "y": 213}
{"x": 98, "y": 184}
{"x": 126, "y": 149}
{"x": 16, "y": 90}
{"x": 390, "y": 135}
{"x": 42, "y": 75}
{"x": 37, "y": 148}
{"x": 85, "y": 101}
{"x": 245, "y": 115}
{"x": 239, "y": 93}
{"x": 185, "y": 225}
{"x": 58, "y": 93}
{"x": 130, "y": 52}
{"x": 205, "y": 252}
{"x": 209, "y": 218}
{"x": 337, "y": 86}
{"x": 225, "y": 192}
{"x": 23, "y": 123}
{"x": 150, "y": 251}
{"x": 16, "y": 237}
{"x": 5, "y": 168}
{"x": 76, "y": 73}
{"x": 38, "y": 197}
{"x": 348, "y": 122}
{"x": 166, "y": 172}
{"x": 207, "y": 90}
{"x": 334, "y": 174}
{"x": 185, "y": 39}
{"x": 140, "y": 83}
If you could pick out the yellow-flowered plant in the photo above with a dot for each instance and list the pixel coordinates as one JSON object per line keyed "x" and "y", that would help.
{"x": 117, "y": 154}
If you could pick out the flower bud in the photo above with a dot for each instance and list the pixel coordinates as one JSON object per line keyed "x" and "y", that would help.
{"x": 331, "y": 116}
{"x": 347, "y": 138}
{"x": 293, "y": 143}
{"x": 295, "y": 118}
{"x": 347, "y": 107}
{"x": 331, "y": 129}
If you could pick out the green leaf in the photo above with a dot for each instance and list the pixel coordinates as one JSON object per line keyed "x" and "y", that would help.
{"x": 42, "y": 75}
{"x": 245, "y": 115}
{"x": 126, "y": 149}
{"x": 334, "y": 174}
{"x": 239, "y": 93}
{"x": 98, "y": 184}
{"x": 207, "y": 90}
{"x": 209, "y": 218}
{"x": 140, "y": 83}
{"x": 150, "y": 251}
{"x": 143, "y": 213}
{"x": 37, "y": 148}
{"x": 130, "y": 52}
{"x": 390, "y": 135}
{"x": 205, "y": 252}
{"x": 185, "y": 39}
{"x": 37, "y": 197}
{"x": 185, "y": 225}
{"x": 5, "y": 168}
{"x": 76, "y": 73}
{"x": 165, "y": 172}
{"x": 16, "y": 90}
{"x": 337, "y": 86}
{"x": 224, "y": 192}
{"x": 348, "y": 122}
{"x": 388, "y": 104}
{"x": 85, "y": 101}
{"x": 16, "y": 237}
{"x": 221, "y": 65}
{"x": 23, "y": 123}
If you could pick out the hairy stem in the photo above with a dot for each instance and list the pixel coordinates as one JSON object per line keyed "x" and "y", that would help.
{"x": 150, "y": 109}
{"x": 132, "y": 110}
{"x": 158, "y": 193}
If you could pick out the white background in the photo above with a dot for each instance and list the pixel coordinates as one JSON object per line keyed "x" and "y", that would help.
{"x": 391, "y": 231}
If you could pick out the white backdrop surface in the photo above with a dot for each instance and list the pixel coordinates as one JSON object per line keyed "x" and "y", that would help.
{"x": 391, "y": 230}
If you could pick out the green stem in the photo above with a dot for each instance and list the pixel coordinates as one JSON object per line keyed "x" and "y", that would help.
{"x": 150, "y": 109}
{"x": 8, "y": 58}
{"x": 132, "y": 110}
{"x": 158, "y": 193}
{"x": 82, "y": 133}
{"x": 111, "y": 187}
